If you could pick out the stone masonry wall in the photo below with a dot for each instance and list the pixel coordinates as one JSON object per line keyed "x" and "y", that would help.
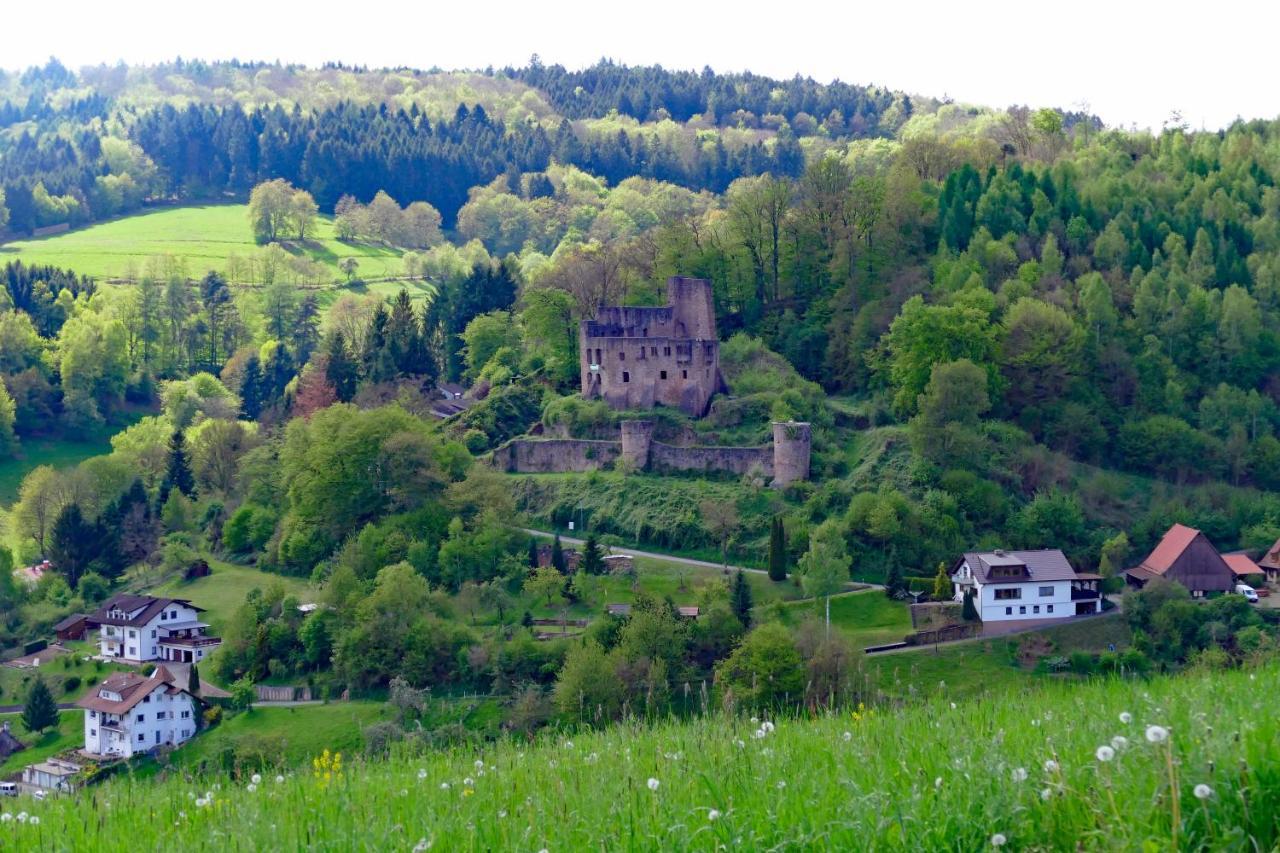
{"x": 532, "y": 456}
{"x": 738, "y": 460}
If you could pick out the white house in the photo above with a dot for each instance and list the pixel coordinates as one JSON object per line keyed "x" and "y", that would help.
{"x": 131, "y": 713}
{"x": 1008, "y": 585}
{"x": 138, "y": 628}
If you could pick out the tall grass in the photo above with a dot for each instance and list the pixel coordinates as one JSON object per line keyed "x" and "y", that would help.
{"x": 1020, "y": 769}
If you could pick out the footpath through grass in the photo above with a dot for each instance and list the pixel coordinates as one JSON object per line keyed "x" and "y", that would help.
{"x": 1026, "y": 770}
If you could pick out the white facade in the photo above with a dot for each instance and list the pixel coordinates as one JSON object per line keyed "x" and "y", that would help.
{"x": 1009, "y": 599}
{"x": 174, "y": 633}
{"x": 161, "y": 718}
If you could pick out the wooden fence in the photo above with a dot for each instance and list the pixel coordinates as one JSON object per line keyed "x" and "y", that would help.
{"x": 282, "y": 694}
{"x": 945, "y": 634}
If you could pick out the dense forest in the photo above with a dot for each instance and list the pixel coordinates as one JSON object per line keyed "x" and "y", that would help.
{"x": 1008, "y": 327}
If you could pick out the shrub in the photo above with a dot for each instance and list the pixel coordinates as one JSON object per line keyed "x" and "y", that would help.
{"x": 71, "y": 684}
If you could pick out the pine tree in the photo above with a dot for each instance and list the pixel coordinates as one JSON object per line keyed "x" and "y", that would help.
{"x": 557, "y": 556}
{"x": 533, "y": 553}
{"x": 178, "y": 475}
{"x": 251, "y": 388}
{"x": 942, "y": 584}
{"x": 777, "y": 550}
{"x": 40, "y": 712}
{"x": 740, "y": 599}
{"x": 340, "y": 370}
{"x": 894, "y": 583}
{"x": 969, "y": 611}
{"x": 592, "y": 558}
{"x": 193, "y": 681}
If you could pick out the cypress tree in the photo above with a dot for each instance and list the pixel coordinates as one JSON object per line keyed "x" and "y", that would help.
{"x": 894, "y": 583}
{"x": 777, "y": 550}
{"x": 557, "y": 556}
{"x": 533, "y": 553}
{"x": 193, "y": 681}
{"x": 178, "y": 475}
{"x": 592, "y": 559}
{"x": 740, "y": 599}
{"x": 969, "y": 611}
{"x": 40, "y": 712}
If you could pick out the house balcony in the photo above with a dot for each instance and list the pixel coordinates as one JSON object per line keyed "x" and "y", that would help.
{"x": 1084, "y": 595}
{"x": 191, "y": 641}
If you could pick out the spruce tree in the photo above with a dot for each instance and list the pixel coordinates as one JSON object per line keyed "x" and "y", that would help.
{"x": 341, "y": 370}
{"x": 557, "y": 556}
{"x": 740, "y": 599}
{"x": 894, "y": 583}
{"x": 193, "y": 681}
{"x": 533, "y": 553}
{"x": 968, "y": 610}
{"x": 592, "y": 558}
{"x": 40, "y": 712}
{"x": 251, "y": 389}
{"x": 777, "y": 550}
{"x": 178, "y": 475}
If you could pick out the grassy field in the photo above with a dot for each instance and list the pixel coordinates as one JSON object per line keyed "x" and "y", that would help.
{"x": 295, "y": 734}
{"x": 68, "y": 735}
{"x": 56, "y": 672}
{"x": 58, "y": 452}
{"x": 223, "y": 591}
{"x": 1023, "y": 771}
{"x": 203, "y": 236}
{"x": 867, "y": 618}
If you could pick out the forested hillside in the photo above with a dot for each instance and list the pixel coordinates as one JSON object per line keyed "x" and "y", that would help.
{"x": 1008, "y": 328}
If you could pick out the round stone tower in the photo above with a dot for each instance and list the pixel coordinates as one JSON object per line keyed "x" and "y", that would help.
{"x": 791, "y": 443}
{"x": 636, "y": 438}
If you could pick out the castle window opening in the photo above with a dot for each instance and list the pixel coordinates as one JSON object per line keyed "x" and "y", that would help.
{"x": 653, "y": 351}
{"x": 666, "y": 350}
{"x": 662, "y": 374}
{"x": 622, "y": 356}
{"x": 684, "y": 374}
{"x": 626, "y": 377}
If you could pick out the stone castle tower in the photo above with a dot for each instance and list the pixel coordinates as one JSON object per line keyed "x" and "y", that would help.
{"x": 792, "y": 444}
{"x": 639, "y": 357}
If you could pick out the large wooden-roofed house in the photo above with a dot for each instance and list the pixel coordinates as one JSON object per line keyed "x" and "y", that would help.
{"x": 1270, "y": 563}
{"x": 1187, "y": 556}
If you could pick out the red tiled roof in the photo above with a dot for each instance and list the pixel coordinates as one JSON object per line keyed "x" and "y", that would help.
{"x": 1241, "y": 564}
{"x": 1271, "y": 559}
{"x": 1175, "y": 541}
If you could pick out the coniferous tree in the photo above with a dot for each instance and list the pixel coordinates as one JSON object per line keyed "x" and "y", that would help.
{"x": 942, "y": 584}
{"x": 251, "y": 388}
{"x": 777, "y": 550}
{"x": 968, "y": 610}
{"x": 592, "y": 558}
{"x": 557, "y": 556}
{"x": 340, "y": 370}
{"x": 193, "y": 680}
{"x": 40, "y": 711}
{"x": 178, "y": 474}
{"x": 894, "y": 583}
{"x": 533, "y": 553}
{"x": 74, "y": 544}
{"x": 740, "y": 600}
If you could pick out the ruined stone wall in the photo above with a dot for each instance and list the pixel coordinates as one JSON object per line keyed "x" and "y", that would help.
{"x": 532, "y": 456}
{"x": 737, "y": 460}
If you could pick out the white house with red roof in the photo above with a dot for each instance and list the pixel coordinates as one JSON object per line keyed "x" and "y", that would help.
{"x": 140, "y": 628}
{"x": 131, "y": 713}
{"x": 1012, "y": 585}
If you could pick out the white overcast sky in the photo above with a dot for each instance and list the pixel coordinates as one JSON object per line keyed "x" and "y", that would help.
{"x": 1131, "y": 62}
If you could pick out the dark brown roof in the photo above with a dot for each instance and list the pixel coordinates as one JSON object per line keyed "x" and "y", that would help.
{"x": 131, "y": 687}
{"x": 147, "y": 606}
{"x": 1175, "y": 541}
{"x": 1048, "y": 564}
{"x": 1271, "y": 559}
{"x": 70, "y": 621}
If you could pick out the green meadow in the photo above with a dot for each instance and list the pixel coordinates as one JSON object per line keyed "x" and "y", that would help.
{"x": 1175, "y": 763}
{"x": 202, "y": 236}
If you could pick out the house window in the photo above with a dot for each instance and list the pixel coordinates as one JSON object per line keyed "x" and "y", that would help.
{"x": 93, "y": 715}
{"x": 662, "y": 374}
{"x": 1022, "y": 609}
{"x": 1008, "y": 611}
{"x": 1035, "y": 608}
{"x": 1046, "y": 592}
{"x": 187, "y": 714}
{"x": 141, "y": 718}
{"x": 164, "y": 614}
{"x": 141, "y": 737}
{"x": 173, "y": 614}
{"x": 133, "y": 650}
{"x": 626, "y": 377}
{"x": 146, "y": 698}
{"x": 93, "y": 732}
{"x": 153, "y": 633}
{"x": 1049, "y": 608}
{"x": 160, "y": 714}
{"x": 1008, "y": 594}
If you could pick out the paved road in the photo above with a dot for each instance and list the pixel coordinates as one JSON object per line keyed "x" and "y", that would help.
{"x": 17, "y": 709}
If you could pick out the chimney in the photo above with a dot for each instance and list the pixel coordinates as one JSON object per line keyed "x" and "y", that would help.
{"x": 999, "y": 552}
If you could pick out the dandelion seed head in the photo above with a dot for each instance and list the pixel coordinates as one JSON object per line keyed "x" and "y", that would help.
{"x": 1105, "y": 753}
{"x": 1045, "y": 793}
{"x": 998, "y": 840}
{"x": 1119, "y": 742}
{"x": 256, "y": 778}
{"x": 444, "y": 786}
{"x": 653, "y": 784}
{"x": 1051, "y": 766}
{"x": 1126, "y": 717}
{"x": 781, "y": 784}
{"x": 5, "y": 817}
{"x": 422, "y": 773}
{"x": 713, "y": 814}
{"x": 251, "y": 787}
{"x": 1202, "y": 791}
{"x": 848, "y": 736}
{"x": 279, "y": 779}
{"x": 1157, "y": 734}
{"x": 1019, "y": 774}
{"x": 468, "y": 782}
{"x": 35, "y": 820}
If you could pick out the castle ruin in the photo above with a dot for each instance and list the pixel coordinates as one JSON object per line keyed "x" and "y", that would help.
{"x": 785, "y": 460}
{"x": 639, "y": 357}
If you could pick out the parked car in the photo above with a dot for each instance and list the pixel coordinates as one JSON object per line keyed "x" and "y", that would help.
{"x": 8, "y": 789}
{"x": 1250, "y": 594}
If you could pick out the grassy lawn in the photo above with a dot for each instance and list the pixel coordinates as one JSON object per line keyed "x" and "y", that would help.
{"x": 58, "y": 452}
{"x": 297, "y": 733}
{"x": 68, "y": 735}
{"x": 223, "y": 591}
{"x": 867, "y": 618}
{"x": 203, "y": 236}
{"x": 57, "y": 672}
